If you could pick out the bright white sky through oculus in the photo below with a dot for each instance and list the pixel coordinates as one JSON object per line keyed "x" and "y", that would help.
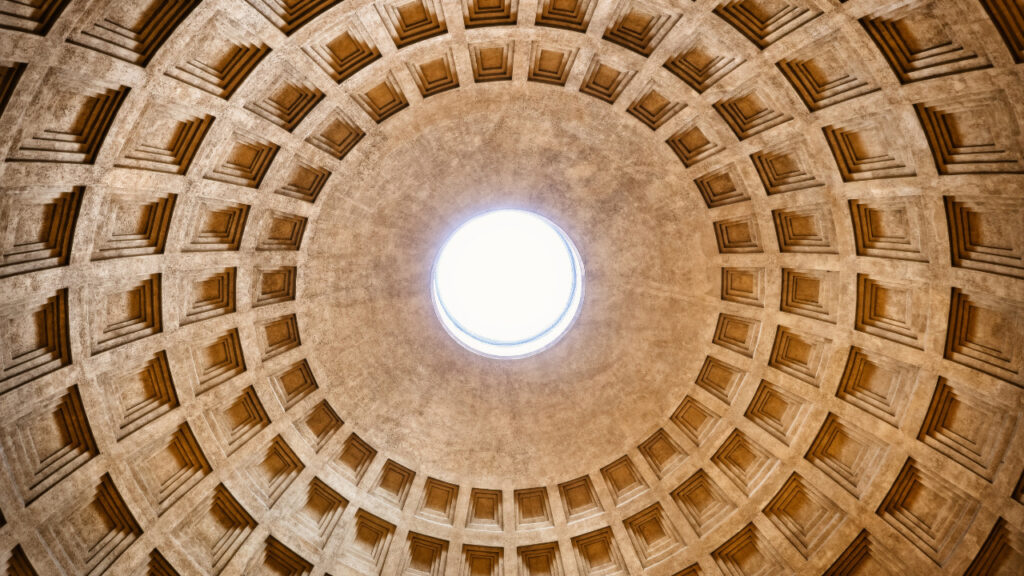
{"x": 508, "y": 279}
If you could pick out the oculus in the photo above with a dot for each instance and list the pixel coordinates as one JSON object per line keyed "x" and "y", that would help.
{"x": 507, "y": 284}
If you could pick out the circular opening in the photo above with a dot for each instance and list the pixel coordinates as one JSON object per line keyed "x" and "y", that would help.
{"x": 507, "y": 284}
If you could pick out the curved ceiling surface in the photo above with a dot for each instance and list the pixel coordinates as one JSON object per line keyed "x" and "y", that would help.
{"x": 801, "y": 348}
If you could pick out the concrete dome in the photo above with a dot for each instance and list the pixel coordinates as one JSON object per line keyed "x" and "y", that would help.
{"x": 801, "y": 349}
